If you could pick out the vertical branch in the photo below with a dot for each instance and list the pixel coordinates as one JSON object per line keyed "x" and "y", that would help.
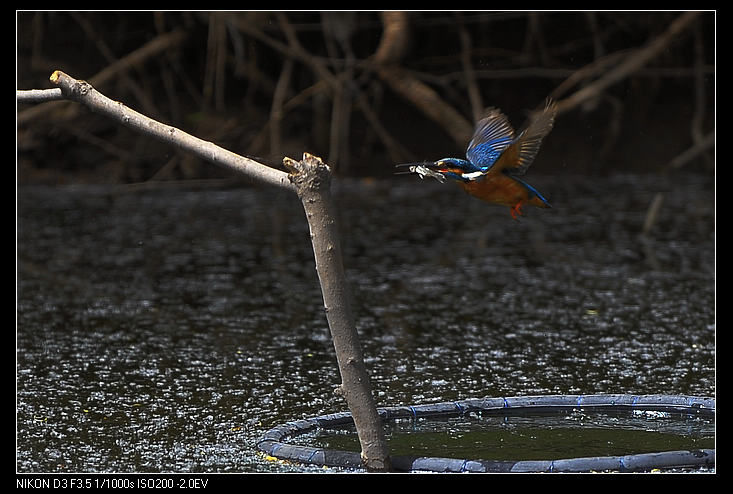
{"x": 338, "y": 28}
{"x": 312, "y": 180}
{"x": 474, "y": 94}
{"x": 320, "y": 69}
{"x": 337, "y": 114}
{"x": 276, "y": 113}
{"x": 647, "y": 243}
{"x": 534, "y": 37}
{"x": 595, "y": 33}
{"x": 698, "y": 137}
{"x": 215, "y": 62}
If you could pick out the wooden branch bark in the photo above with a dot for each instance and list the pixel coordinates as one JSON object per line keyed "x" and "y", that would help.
{"x": 39, "y": 95}
{"x": 312, "y": 179}
{"x": 82, "y": 92}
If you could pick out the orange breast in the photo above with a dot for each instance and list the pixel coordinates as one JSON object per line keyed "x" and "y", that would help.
{"x": 501, "y": 189}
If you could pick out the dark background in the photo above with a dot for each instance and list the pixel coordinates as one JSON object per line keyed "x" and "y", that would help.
{"x": 220, "y": 80}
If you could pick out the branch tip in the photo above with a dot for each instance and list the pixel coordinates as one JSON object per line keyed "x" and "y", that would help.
{"x": 290, "y": 164}
{"x": 308, "y": 156}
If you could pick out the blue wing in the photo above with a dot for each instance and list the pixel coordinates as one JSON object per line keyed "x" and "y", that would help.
{"x": 492, "y": 136}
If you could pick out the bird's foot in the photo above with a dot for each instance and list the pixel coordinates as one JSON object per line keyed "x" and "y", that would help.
{"x": 516, "y": 211}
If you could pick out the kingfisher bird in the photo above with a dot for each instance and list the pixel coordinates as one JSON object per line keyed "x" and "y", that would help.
{"x": 496, "y": 159}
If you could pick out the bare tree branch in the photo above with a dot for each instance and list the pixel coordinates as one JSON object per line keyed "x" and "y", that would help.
{"x": 698, "y": 148}
{"x": 38, "y": 95}
{"x": 633, "y": 62}
{"x": 391, "y": 47}
{"x": 312, "y": 179}
{"x": 474, "y": 94}
{"x": 160, "y": 43}
{"x": 83, "y": 92}
{"x": 277, "y": 113}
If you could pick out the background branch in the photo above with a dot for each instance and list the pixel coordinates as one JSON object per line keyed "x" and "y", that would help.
{"x": 391, "y": 47}
{"x": 631, "y": 64}
{"x": 368, "y": 89}
{"x": 150, "y": 49}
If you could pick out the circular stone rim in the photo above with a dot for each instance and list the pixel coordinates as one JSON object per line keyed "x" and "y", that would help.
{"x": 273, "y": 442}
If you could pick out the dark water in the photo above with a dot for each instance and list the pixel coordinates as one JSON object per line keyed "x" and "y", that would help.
{"x": 166, "y": 330}
{"x": 536, "y": 437}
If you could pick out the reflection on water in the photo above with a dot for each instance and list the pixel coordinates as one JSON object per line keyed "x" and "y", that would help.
{"x": 166, "y": 330}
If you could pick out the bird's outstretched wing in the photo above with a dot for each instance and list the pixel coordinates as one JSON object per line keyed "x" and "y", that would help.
{"x": 493, "y": 135}
{"x": 518, "y": 156}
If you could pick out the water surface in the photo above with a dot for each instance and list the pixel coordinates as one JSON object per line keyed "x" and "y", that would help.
{"x": 165, "y": 330}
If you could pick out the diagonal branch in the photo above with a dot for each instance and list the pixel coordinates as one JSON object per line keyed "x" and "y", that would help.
{"x": 391, "y": 48}
{"x": 633, "y": 62}
{"x": 159, "y": 44}
{"x": 82, "y": 92}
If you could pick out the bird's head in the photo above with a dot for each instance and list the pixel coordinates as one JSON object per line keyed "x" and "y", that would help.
{"x": 456, "y": 169}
